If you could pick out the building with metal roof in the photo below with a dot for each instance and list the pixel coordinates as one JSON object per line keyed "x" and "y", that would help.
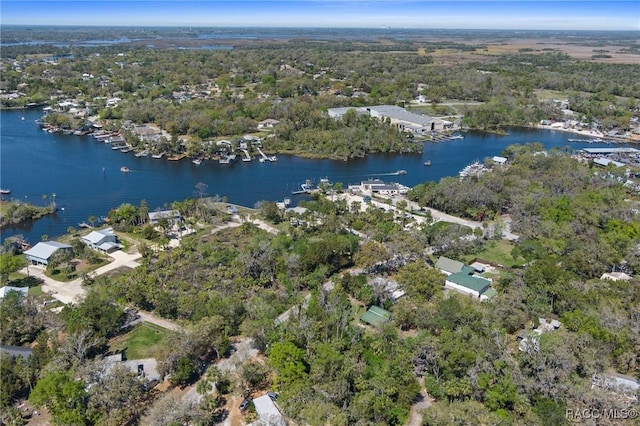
{"x": 6, "y": 289}
{"x": 42, "y": 252}
{"x": 467, "y": 284}
{"x": 375, "y": 316}
{"x": 268, "y": 413}
{"x": 102, "y": 239}
{"x": 397, "y": 116}
{"x": 449, "y": 266}
{"x": 171, "y": 215}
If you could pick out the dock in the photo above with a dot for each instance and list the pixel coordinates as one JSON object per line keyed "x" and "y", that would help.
{"x": 177, "y": 157}
{"x": 264, "y": 156}
{"x": 246, "y": 157}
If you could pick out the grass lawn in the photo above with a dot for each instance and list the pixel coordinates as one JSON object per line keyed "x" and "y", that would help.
{"x": 497, "y": 252}
{"x": 141, "y": 342}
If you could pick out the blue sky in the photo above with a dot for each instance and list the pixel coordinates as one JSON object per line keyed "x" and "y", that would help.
{"x": 540, "y": 14}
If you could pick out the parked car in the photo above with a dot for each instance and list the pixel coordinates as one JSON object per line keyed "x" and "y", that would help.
{"x": 245, "y": 403}
{"x": 272, "y": 395}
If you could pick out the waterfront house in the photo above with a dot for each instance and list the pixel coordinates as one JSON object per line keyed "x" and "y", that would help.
{"x": 147, "y": 133}
{"x": 42, "y": 252}
{"x": 173, "y": 216}
{"x": 377, "y": 186}
{"x": 102, "y": 239}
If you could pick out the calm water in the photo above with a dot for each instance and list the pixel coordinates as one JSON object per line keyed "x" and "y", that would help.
{"x": 85, "y": 174}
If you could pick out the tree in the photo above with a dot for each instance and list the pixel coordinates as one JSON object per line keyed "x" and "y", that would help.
{"x": 288, "y": 360}
{"x": 116, "y": 397}
{"x": 64, "y": 396}
{"x": 9, "y": 264}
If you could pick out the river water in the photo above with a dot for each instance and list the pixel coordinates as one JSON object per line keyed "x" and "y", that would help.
{"x": 85, "y": 175}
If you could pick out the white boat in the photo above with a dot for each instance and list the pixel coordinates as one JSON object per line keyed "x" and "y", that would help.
{"x": 158, "y": 155}
{"x": 261, "y": 159}
{"x": 124, "y": 169}
{"x": 273, "y": 158}
{"x": 427, "y": 163}
{"x": 197, "y": 161}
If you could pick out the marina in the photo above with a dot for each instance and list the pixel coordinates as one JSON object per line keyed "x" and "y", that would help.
{"x": 67, "y": 165}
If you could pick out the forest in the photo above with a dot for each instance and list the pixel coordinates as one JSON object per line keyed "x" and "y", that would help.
{"x": 575, "y": 222}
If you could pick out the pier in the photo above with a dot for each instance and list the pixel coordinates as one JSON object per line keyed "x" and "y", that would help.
{"x": 264, "y": 157}
{"x": 246, "y": 157}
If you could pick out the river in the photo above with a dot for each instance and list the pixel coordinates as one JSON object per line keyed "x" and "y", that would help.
{"x": 85, "y": 175}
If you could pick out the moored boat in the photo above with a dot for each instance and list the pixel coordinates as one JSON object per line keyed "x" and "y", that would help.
{"x": 5, "y": 191}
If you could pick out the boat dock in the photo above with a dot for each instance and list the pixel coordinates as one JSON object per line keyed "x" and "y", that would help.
{"x": 264, "y": 156}
{"x": 177, "y": 157}
{"x": 246, "y": 157}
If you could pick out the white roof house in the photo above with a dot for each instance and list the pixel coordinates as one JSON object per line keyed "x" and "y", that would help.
{"x": 103, "y": 239}
{"x": 6, "y": 289}
{"x": 268, "y": 413}
{"x": 42, "y": 252}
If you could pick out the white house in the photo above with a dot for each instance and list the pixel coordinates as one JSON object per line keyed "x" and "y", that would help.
{"x": 103, "y": 240}
{"x": 6, "y": 289}
{"x": 42, "y": 252}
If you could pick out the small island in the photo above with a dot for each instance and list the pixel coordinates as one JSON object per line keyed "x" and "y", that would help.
{"x": 14, "y": 212}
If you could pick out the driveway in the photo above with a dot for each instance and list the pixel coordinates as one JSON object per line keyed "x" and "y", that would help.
{"x": 72, "y": 291}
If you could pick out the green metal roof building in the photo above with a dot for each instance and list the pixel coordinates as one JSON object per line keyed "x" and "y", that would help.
{"x": 468, "y": 284}
{"x": 375, "y": 316}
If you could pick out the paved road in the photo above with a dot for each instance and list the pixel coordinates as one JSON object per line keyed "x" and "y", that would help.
{"x": 72, "y": 291}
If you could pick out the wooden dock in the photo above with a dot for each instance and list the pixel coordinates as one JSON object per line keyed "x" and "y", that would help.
{"x": 177, "y": 157}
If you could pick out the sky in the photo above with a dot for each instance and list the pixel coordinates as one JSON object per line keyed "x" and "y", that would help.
{"x": 477, "y": 14}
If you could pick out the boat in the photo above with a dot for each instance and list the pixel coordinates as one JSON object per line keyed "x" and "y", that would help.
{"x": 307, "y": 186}
{"x": 400, "y": 172}
{"x": 272, "y": 158}
{"x": 427, "y": 163}
{"x": 22, "y": 118}
{"x": 5, "y": 191}
{"x": 457, "y": 136}
{"x": 142, "y": 154}
{"x": 261, "y": 159}
{"x": 158, "y": 155}
{"x": 197, "y": 161}
{"x": 125, "y": 150}
{"x": 124, "y": 169}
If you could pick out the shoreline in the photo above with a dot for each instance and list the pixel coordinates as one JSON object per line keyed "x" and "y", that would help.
{"x": 588, "y": 133}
